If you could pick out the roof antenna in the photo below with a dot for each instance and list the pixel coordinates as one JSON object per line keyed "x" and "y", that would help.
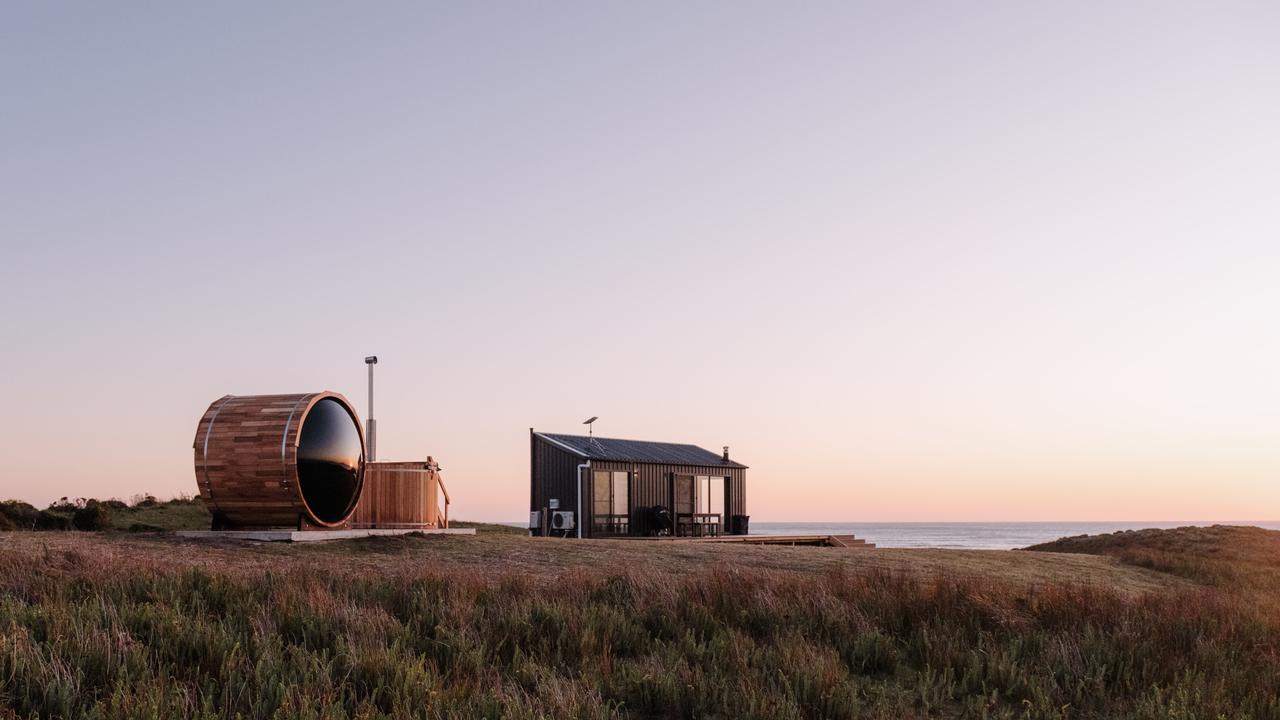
{"x": 590, "y": 428}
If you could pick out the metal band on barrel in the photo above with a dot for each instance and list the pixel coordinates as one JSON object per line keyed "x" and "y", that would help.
{"x": 284, "y": 439}
{"x": 204, "y": 456}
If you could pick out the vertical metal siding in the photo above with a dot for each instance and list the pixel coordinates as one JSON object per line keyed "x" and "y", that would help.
{"x": 651, "y": 485}
{"x": 553, "y": 472}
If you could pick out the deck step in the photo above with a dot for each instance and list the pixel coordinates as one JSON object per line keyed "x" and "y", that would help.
{"x": 848, "y": 541}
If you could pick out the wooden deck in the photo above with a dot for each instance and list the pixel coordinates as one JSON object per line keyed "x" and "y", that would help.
{"x": 312, "y": 536}
{"x": 841, "y": 541}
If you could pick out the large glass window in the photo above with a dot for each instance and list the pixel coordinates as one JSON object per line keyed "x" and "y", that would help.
{"x": 709, "y": 494}
{"x": 611, "y": 493}
{"x": 621, "y": 493}
{"x": 330, "y": 460}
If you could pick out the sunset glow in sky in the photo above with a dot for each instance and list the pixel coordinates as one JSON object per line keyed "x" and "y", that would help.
{"x": 911, "y": 261}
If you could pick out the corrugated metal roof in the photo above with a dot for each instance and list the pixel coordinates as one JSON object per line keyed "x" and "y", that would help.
{"x": 641, "y": 451}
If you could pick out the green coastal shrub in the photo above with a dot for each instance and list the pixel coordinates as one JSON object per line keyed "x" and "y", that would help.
{"x": 93, "y": 516}
{"x": 18, "y": 515}
{"x": 147, "y": 515}
{"x": 52, "y": 520}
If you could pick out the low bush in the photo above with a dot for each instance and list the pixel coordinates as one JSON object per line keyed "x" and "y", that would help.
{"x": 146, "y": 514}
{"x": 17, "y": 515}
{"x": 93, "y": 516}
{"x": 52, "y": 520}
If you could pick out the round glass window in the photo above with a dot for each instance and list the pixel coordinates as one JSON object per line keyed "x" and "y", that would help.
{"x": 330, "y": 461}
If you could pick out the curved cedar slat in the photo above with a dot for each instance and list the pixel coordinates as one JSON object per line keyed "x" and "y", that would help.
{"x": 246, "y": 453}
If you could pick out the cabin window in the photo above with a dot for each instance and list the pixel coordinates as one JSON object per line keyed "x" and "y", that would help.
{"x": 700, "y": 504}
{"x": 685, "y": 492}
{"x": 612, "y": 493}
{"x": 610, "y": 503}
{"x": 709, "y": 494}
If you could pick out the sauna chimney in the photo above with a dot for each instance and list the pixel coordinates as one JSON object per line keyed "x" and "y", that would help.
{"x": 371, "y": 434}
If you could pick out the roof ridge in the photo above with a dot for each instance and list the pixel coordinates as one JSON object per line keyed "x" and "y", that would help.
{"x": 638, "y": 451}
{"x": 602, "y": 437}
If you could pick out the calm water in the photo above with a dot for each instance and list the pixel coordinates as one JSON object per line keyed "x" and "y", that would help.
{"x": 980, "y": 536}
{"x": 970, "y": 536}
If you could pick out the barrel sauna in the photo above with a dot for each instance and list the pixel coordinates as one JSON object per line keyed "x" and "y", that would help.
{"x": 402, "y": 494}
{"x": 280, "y": 460}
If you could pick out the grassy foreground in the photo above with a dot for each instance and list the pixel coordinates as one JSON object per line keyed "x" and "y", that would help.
{"x": 499, "y": 625}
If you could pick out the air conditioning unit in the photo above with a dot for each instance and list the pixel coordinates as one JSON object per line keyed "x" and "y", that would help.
{"x": 535, "y": 520}
{"x": 562, "y": 520}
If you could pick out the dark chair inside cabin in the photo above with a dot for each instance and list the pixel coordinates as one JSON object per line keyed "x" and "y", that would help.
{"x": 659, "y": 521}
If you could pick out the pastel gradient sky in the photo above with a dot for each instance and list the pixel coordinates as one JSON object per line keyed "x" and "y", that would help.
{"x": 912, "y": 261}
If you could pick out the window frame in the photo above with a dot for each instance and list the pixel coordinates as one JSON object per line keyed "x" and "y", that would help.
{"x": 611, "y": 486}
{"x": 702, "y": 502}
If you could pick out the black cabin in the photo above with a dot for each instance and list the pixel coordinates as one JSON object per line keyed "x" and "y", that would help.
{"x": 632, "y": 487}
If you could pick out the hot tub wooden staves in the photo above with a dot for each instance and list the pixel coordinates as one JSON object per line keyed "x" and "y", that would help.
{"x": 403, "y": 494}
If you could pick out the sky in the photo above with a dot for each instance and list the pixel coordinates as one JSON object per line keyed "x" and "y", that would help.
{"x": 911, "y": 261}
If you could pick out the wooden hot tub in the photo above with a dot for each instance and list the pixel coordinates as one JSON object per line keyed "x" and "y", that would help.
{"x": 402, "y": 494}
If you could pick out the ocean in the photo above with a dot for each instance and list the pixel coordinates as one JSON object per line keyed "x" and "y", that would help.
{"x": 971, "y": 535}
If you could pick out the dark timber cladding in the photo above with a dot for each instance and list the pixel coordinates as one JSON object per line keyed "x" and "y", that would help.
{"x": 702, "y": 490}
{"x": 556, "y": 469}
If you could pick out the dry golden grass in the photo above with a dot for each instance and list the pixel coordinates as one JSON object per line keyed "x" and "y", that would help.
{"x": 495, "y": 555}
{"x": 1232, "y": 558}
{"x": 498, "y": 625}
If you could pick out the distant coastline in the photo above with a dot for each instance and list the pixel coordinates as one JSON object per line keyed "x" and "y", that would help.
{"x": 975, "y": 535}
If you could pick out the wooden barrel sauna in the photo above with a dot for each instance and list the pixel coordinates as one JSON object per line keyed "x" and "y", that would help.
{"x": 404, "y": 494}
{"x": 280, "y": 460}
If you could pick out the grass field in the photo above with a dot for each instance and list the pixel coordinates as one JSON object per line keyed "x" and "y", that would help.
{"x": 1163, "y": 624}
{"x": 1245, "y": 560}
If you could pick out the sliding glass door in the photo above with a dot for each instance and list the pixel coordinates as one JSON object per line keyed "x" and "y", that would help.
{"x": 710, "y": 501}
{"x": 610, "y": 502}
{"x": 701, "y": 502}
